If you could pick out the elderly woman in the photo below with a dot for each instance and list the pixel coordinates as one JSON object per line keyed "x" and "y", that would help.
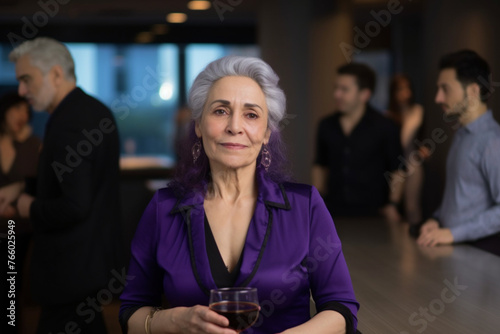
{"x": 230, "y": 218}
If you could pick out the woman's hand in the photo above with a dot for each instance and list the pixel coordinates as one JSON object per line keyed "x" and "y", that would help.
{"x": 196, "y": 319}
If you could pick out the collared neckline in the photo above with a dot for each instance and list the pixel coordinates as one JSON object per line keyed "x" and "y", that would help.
{"x": 271, "y": 195}
{"x": 369, "y": 111}
{"x": 368, "y": 117}
{"x": 480, "y": 124}
{"x": 269, "y": 192}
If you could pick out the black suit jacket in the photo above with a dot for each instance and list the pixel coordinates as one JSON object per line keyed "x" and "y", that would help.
{"x": 76, "y": 211}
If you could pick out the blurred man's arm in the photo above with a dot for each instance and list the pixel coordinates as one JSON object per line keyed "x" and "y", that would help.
{"x": 485, "y": 224}
{"x": 488, "y": 221}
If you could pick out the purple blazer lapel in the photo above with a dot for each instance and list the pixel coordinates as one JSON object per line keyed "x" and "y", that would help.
{"x": 271, "y": 196}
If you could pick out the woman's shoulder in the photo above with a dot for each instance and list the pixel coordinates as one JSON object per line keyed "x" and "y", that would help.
{"x": 170, "y": 198}
{"x": 167, "y": 196}
{"x": 295, "y": 188}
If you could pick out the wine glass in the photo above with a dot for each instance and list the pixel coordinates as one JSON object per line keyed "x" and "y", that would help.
{"x": 239, "y": 305}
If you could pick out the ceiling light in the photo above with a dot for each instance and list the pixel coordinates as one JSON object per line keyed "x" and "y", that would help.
{"x": 176, "y": 18}
{"x": 199, "y": 5}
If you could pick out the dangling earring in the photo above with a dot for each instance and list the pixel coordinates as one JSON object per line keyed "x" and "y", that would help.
{"x": 196, "y": 150}
{"x": 265, "y": 159}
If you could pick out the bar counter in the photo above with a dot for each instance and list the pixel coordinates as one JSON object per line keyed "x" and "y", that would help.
{"x": 404, "y": 288}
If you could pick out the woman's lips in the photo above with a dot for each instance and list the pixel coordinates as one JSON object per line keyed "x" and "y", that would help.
{"x": 233, "y": 146}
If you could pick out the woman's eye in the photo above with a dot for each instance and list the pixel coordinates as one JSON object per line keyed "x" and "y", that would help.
{"x": 252, "y": 115}
{"x": 219, "y": 111}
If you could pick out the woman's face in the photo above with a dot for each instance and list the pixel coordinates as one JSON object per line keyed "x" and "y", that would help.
{"x": 233, "y": 124}
{"x": 403, "y": 91}
{"x": 16, "y": 118}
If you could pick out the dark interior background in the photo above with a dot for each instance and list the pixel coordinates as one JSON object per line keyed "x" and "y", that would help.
{"x": 301, "y": 40}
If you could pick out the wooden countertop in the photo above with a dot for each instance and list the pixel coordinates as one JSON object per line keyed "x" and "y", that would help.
{"x": 404, "y": 288}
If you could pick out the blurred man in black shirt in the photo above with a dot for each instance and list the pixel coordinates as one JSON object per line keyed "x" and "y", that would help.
{"x": 357, "y": 150}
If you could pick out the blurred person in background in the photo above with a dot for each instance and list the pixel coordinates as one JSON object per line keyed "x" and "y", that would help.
{"x": 19, "y": 150}
{"x": 75, "y": 213}
{"x": 18, "y": 147}
{"x": 409, "y": 116}
{"x": 470, "y": 208}
{"x": 357, "y": 150}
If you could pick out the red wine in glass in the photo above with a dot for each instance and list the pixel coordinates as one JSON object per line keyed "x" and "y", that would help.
{"x": 239, "y": 305}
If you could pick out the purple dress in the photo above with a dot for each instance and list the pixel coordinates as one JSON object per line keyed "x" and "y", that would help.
{"x": 291, "y": 249}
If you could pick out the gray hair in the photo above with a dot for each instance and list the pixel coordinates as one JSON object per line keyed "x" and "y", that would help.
{"x": 253, "y": 68}
{"x": 44, "y": 53}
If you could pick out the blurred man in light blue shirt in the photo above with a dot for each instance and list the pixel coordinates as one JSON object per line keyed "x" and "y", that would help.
{"x": 470, "y": 208}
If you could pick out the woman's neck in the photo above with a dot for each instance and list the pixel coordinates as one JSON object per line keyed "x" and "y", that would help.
{"x": 233, "y": 184}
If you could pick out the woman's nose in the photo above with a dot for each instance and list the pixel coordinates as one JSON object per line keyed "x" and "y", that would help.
{"x": 234, "y": 124}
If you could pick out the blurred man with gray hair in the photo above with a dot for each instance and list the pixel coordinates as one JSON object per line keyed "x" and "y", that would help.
{"x": 75, "y": 211}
